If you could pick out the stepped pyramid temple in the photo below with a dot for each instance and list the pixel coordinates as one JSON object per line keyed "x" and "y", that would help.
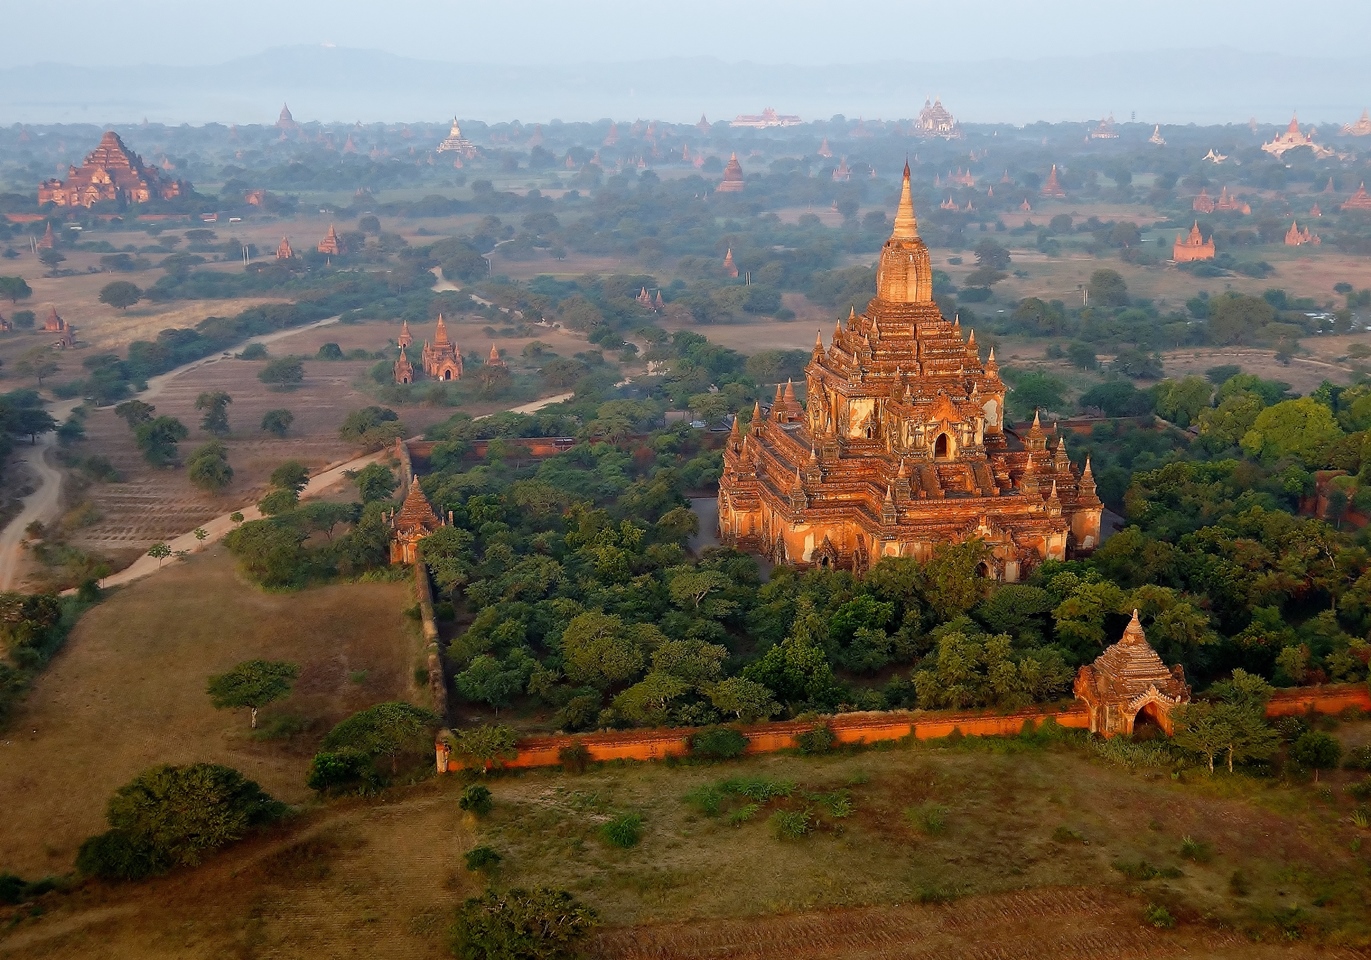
{"x": 1129, "y": 681}
{"x": 456, "y": 143}
{"x": 901, "y": 446}
{"x": 331, "y": 244}
{"x": 1359, "y": 200}
{"x": 1362, "y": 128}
{"x": 111, "y": 173}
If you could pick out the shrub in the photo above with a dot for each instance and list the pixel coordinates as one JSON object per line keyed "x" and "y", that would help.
{"x": 1159, "y": 916}
{"x": 1362, "y": 790}
{"x": 1195, "y": 850}
{"x": 624, "y": 831}
{"x": 790, "y": 824}
{"x": 819, "y": 739}
{"x": 341, "y": 771}
{"x": 530, "y": 925}
{"x": 743, "y": 814}
{"x": 931, "y": 818}
{"x": 173, "y": 816}
{"x": 254, "y": 351}
{"x": 476, "y": 799}
{"x": 482, "y": 858}
{"x": 718, "y": 743}
{"x": 1237, "y": 884}
{"x": 1358, "y": 758}
{"x": 574, "y": 757}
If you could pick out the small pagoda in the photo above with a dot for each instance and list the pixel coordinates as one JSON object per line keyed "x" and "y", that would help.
{"x": 405, "y": 338}
{"x": 1129, "y": 681}
{"x": 404, "y": 370}
{"x": 1157, "y": 138}
{"x": 842, "y": 173}
{"x": 730, "y": 268}
{"x": 415, "y": 521}
{"x": 733, "y": 177}
{"x": 1297, "y": 237}
{"x": 1229, "y": 203}
{"x": 284, "y": 250}
{"x": 1053, "y": 186}
{"x": 1106, "y": 130}
{"x": 440, "y": 357}
{"x": 1293, "y": 138}
{"x": 824, "y": 149}
{"x": 331, "y": 245}
{"x": 1359, "y": 200}
{"x": 1191, "y": 247}
{"x": 935, "y": 120}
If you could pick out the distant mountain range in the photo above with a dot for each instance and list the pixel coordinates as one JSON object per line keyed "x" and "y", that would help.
{"x": 337, "y": 84}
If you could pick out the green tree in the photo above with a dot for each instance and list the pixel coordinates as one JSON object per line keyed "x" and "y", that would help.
{"x": 601, "y": 650}
{"x": 135, "y": 413}
{"x": 522, "y": 925}
{"x": 387, "y": 729}
{"x": 120, "y": 294}
{"x": 1181, "y": 401}
{"x": 1202, "y": 729}
{"x": 36, "y": 362}
{"x": 159, "y": 552}
{"x": 486, "y": 680}
{"x": 208, "y": 467}
{"x": 992, "y": 255}
{"x": 1302, "y": 428}
{"x": 648, "y": 702}
{"x": 371, "y": 427}
{"x": 269, "y": 552}
{"x": 277, "y": 422}
{"x": 749, "y": 702}
{"x": 282, "y": 372}
{"x": 291, "y": 475}
{"x": 157, "y": 438}
{"x": 252, "y": 684}
{"x": 486, "y": 744}
{"x": 1317, "y": 751}
{"x": 1235, "y": 318}
{"x": 172, "y": 816}
{"x": 1107, "y": 289}
{"x": 278, "y": 501}
{"x": 1035, "y": 391}
{"x": 14, "y": 289}
{"x": 952, "y": 581}
{"x": 375, "y": 482}
{"x": 214, "y": 405}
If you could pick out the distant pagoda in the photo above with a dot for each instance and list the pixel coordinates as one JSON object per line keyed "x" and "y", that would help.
{"x": 1362, "y": 128}
{"x": 1296, "y": 237}
{"x": 1191, "y": 247}
{"x": 1293, "y": 139}
{"x": 934, "y": 120}
{"x": 767, "y": 118}
{"x": 1105, "y": 130}
{"x": 284, "y": 250}
{"x": 1053, "y": 186}
{"x": 1358, "y": 201}
{"x": 456, "y": 143}
{"x": 1157, "y": 137}
{"x": 285, "y": 122}
{"x": 733, "y": 177}
{"x": 331, "y": 245}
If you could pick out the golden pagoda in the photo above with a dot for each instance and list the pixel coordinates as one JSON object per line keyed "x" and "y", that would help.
{"x": 901, "y": 446}
{"x": 1362, "y": 128}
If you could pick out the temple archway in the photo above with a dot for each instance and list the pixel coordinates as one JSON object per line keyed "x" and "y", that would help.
{"x": 1149, "y": 723}
{"x": 447, "y": 374}
{"x": 942, "y": 447}
{"x": 983, "y": 569}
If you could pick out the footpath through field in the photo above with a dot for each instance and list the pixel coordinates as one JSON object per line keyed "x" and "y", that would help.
{"x": 319, "y": 483}
{"x": 44, "y": 504}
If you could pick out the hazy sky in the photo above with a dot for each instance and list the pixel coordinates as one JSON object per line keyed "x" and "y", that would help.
{"x": 769, "y": 31}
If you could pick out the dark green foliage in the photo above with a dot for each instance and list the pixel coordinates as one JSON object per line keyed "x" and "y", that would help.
{"x": 158, "y": 437}
{"x": 283, "y": 372}
{"x": 1317, "y": 751}
{"x": 476, "y": 799}
{"x": 575, "y": 757}
{"x": 174, "y": 816}
{"x": 252, "y": 684}
{"x": 388, "y": 730}
{"x": 484, "y": 859}
{"x": 341, "y": 771}
{"x": 818, "y": 739}
{"x": 623, "y": 831}
{"x": 522, "y": 925}
{"x": 718, "y": 743}
{"x": 208, "y": 467}
{"x": 277, "y": 422}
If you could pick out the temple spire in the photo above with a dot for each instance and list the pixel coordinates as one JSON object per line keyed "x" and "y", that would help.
{"x": 906, "y": 226}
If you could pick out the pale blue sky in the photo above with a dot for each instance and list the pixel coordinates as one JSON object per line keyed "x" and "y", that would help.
{"x": 97, "y": 32}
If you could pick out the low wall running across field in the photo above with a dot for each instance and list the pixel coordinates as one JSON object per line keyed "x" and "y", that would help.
{"x": 437, "y": 684}
{"x": 873, "y": 727}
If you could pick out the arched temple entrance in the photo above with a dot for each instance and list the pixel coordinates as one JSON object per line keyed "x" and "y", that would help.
{"x": 942, "y": 447}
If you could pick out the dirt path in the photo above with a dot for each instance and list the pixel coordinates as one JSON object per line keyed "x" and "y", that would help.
{"x": 318, "y": 484}
{"x": 45, "y": 502}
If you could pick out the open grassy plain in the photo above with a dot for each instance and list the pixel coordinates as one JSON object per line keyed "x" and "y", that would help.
{"x": 979, "y": 849}
{"x": 128, "y": 692}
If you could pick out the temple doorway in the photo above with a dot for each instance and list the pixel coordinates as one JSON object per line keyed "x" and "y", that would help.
{"x": 1147, "y": 724}
{"x": 983, "y": 569}
{"x": 447, "y": 374}
{"x": 942, "y": 447}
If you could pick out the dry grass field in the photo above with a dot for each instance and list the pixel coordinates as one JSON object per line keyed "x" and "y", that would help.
{"x": 128, "y": 692}
{"x": 963, "y": 852}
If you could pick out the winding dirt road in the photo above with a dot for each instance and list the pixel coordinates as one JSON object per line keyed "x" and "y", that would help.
{"x": 44, "y": 504}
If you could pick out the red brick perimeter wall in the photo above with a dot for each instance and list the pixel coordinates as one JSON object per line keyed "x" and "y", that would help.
{"x": 875, "y": 727}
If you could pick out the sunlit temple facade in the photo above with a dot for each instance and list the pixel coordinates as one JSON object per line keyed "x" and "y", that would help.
{"x": 901, "y": 446}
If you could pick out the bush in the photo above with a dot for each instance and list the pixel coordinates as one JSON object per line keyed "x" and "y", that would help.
{"x": 481, "y": 858}
{"x": 341, "y": 771}
{"x": 718, "y": 743}
{"x": 931, "y": 818}
{"x": 282, "y": 372}
{"x": 1159, "y": 916}
{"x": 173, "y": 816}
{"x": 476, "y": 799}
{"x": 524, "y": 924}
{"x": 574, "y": 757}
{"x": 624, "y": 831}
{"x": 790, "y": 824}
{"x": 1358, "y": 758}
{"x": 254, "y": 351}
{"x": 819, "y": 739}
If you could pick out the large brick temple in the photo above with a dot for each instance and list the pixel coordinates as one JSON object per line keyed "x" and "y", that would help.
{"x": 901, "y": 446}
{"x": 111, "y": 173}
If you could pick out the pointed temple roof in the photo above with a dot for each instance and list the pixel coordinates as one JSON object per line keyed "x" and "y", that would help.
{"x": 416, "y": 514}
{"x": 1131, "y": 667}
{"x": 405, "y": 338}
{"x": 440, "y": 337}
{"x": 331, "y": 244}
{"x": 1053, "y": 186}
{"x": 730, "y": 267}
{"x": 733, "y": 176}
{"x": 283, "y": 250}
{"x": 1359, "y": 200}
